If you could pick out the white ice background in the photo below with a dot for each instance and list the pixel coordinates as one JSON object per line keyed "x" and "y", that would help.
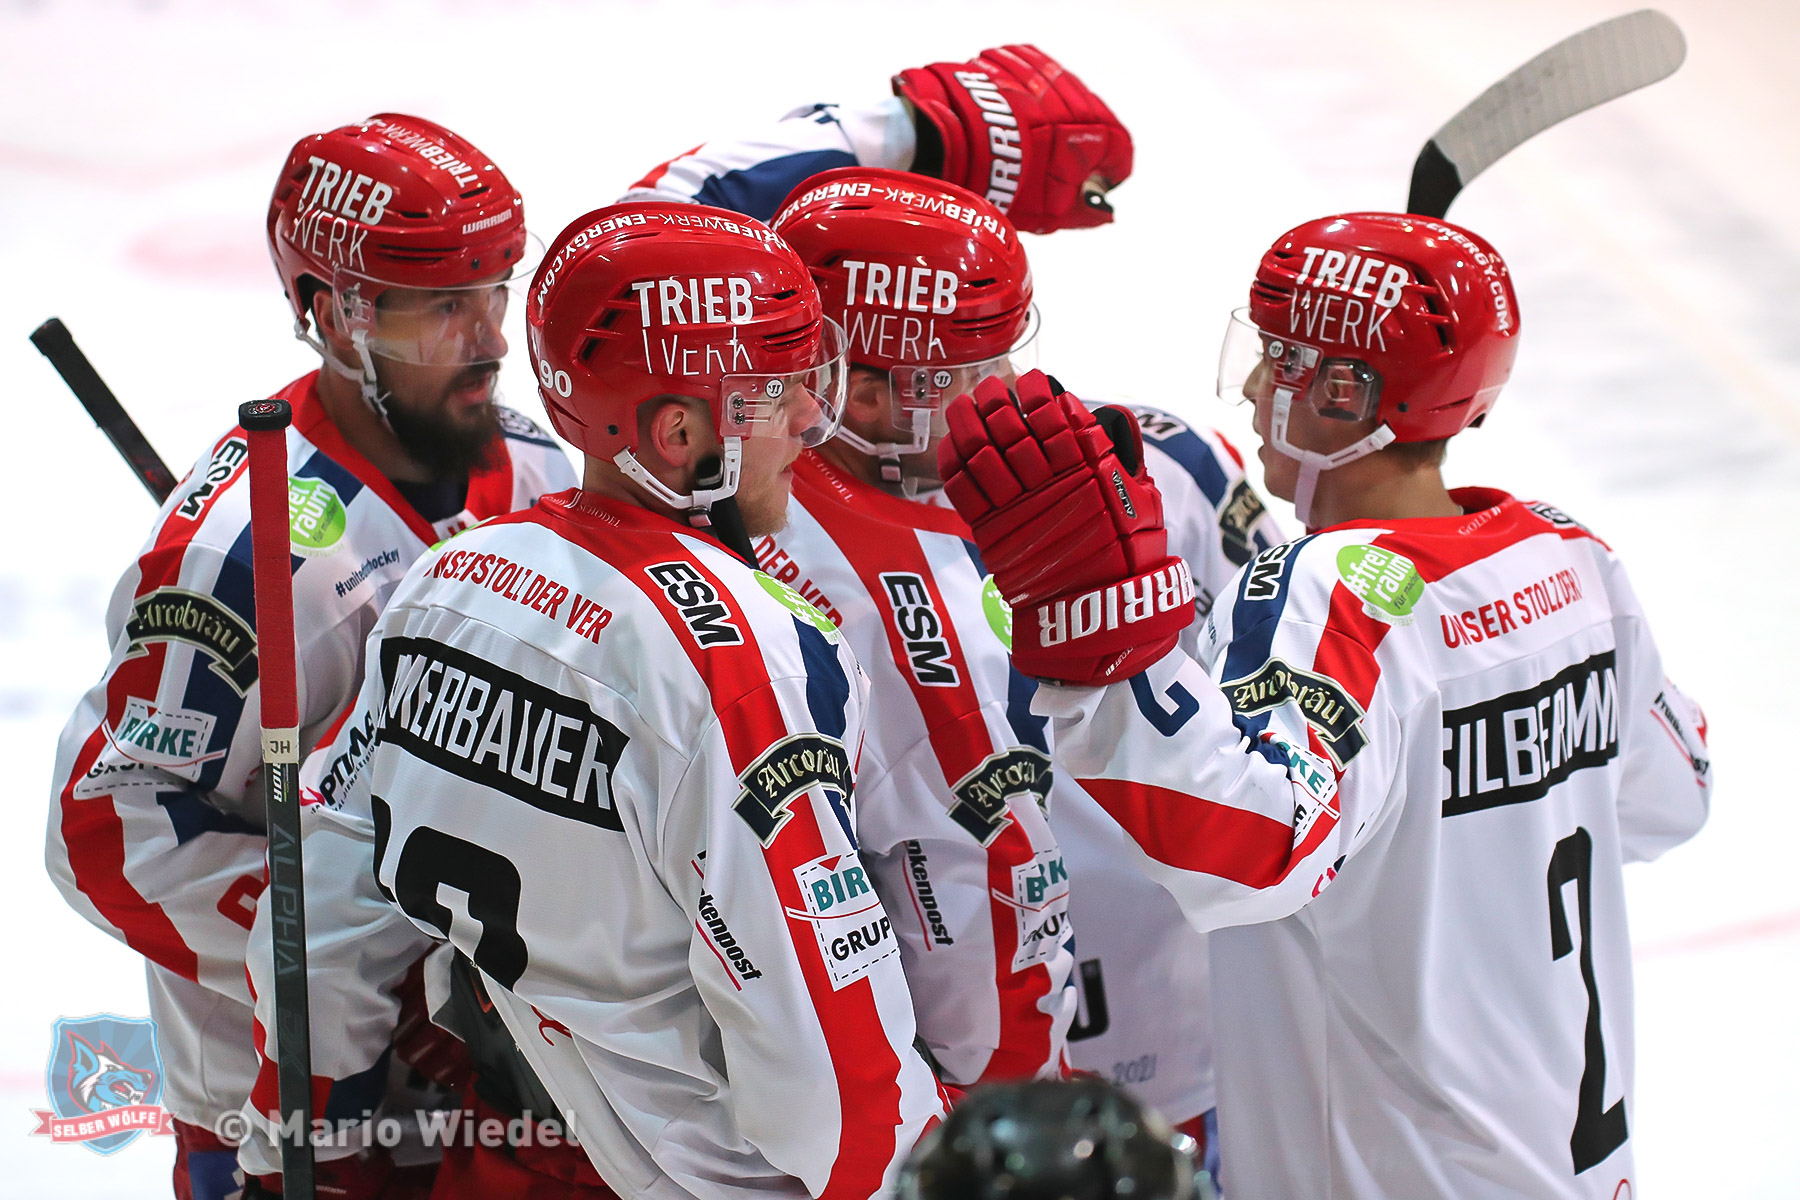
{"x": 1657, "y": 394}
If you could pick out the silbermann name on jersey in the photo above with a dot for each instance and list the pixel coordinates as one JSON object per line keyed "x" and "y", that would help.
{"x": 468, "y": 717}
{"x": 1515, "y": 748}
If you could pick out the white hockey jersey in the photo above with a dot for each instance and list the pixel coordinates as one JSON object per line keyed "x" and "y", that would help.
{"x": 616, "y": 768}
{"x": 1424, "y": 750}
{"x": 155, "y": 830}
{"x": 1145, "y": 1019}
{"x": 955, "y": 776}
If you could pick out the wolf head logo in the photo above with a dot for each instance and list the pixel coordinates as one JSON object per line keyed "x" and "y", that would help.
{"x": 99, "y": 1079}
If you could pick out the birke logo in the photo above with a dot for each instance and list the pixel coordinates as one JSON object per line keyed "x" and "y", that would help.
{"x": 852, "y": 929}
{"x": 1003, "y": 137}
{"x": 1040, "y": 904}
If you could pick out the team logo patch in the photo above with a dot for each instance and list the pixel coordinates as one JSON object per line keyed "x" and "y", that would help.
{"x": 1326, "y": 707}
{"x": 1237, "y": 518}
{"x": 178, "y": 615}
{"x": 797, "y": 604}
{"x": 226, "y": 462}
{"x": 846, "y": 916}
{"x": 1040, "y": 903}
{"x": 316, "y": 518}
{"x": 105, "y": 1083}
{"x": 982, "y": 794}
{"x": 1388, "y": 584}
{"x": 783, "y": 773}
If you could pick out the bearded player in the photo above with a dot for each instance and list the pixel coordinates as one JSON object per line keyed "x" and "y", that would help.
{"x": 1411, "y": 758}
{"x": 395, "y": 241}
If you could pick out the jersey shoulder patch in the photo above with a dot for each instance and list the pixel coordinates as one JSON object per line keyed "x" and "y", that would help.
{"x": 521, "y": 428}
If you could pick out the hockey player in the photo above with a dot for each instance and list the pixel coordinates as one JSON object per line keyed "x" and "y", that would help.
{"x": 394, "y": 240}
{"x": 615, "y": 764}
{"x": 1012, "y": 125}
{"x": 1415, "y": 751}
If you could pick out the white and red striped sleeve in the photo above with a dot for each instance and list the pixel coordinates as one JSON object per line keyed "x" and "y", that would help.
{"x": 1245, "y": 788}
{"x": 149, "y": 835}
{"x": 817, "y": 1042}
{"x": 752, "y": 173}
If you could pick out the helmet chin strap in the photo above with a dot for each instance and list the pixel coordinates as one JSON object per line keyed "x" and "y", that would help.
{"x": 696, "y": 502}
{"x": 372, "y": 394}
{"x": 889, "y": 452}
{"x": 1312, "y": 463}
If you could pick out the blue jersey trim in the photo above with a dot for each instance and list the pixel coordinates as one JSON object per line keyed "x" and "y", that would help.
{"x": 1027, "y": 727}
{"x": 1199, "y": 460}
{"x": 756, "y": 191}
{"x": 827, "y": 700}
{"x": 1253, "y": 626}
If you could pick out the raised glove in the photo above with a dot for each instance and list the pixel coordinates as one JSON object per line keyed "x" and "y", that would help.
{"x": 1015, "y": 126}
{"x": 1071, "y": 526}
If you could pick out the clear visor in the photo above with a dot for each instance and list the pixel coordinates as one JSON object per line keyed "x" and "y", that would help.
{"x": 927, "y": 389}
{"x": 441, "y": 327}
{"x": 1254, "y": 363}
{"x": 804, "y": 406}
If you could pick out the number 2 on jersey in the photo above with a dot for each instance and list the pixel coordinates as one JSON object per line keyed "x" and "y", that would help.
{"x": 1598, "y": 1131}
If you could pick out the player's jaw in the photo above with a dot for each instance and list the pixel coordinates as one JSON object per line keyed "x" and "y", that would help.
{"x": 765, "y": 482}
{"x": 447, "y": 418}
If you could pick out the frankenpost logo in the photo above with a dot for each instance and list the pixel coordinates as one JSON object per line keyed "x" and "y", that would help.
{"x": 105, "y": 1080}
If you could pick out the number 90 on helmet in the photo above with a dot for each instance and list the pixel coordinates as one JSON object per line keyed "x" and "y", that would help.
{"x": 639, "y": 302}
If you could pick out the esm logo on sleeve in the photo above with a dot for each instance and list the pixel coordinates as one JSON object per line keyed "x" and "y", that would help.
{"x": 846, "y": 916}
{"x": 697, "y": 603}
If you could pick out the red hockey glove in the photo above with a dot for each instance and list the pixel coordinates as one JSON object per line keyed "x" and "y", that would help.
{"x": 1017, "y": 127}
{"x": 1071, "y": 526}
{"x": 429, "y": 1049}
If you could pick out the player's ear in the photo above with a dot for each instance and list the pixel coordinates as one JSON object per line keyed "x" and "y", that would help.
{"x": 676, "y": 432}
{"x": 866, "y": 403}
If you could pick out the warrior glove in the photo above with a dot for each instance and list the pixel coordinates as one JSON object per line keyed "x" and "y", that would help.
{"x": 1071, "y": 527}
{"x": 1015, "y": 126}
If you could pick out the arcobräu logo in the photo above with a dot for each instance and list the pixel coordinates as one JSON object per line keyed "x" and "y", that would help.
{"x": 846, "y": 916}
{"x": 471, "y": 719}
{"x": 1325, "y": 706}
{"x": 783, "y": 773}
{"x": 177, "y": 615}
{"x": 981, "y": 795}
{"x": 105, "y": 1084}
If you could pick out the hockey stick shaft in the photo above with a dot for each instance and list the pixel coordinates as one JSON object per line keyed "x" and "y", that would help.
{"x": 265, "y": 424}
{"x": 54, "y": 341}
{"x": 1601, "y": 63}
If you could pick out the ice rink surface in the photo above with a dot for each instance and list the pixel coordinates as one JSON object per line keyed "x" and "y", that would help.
{"x": 1657, "y": 394}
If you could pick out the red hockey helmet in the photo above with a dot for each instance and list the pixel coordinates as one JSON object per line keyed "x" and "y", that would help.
{"x": 396, "y": 201}
{"x": 639, "y": 301}
{"x": 1364, "y": 315}
{"x": 929, "y": 281}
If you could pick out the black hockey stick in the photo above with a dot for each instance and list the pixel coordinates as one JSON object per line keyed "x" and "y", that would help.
{"x": 53, "y": 340}
{"x": 1585, "y": 69}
